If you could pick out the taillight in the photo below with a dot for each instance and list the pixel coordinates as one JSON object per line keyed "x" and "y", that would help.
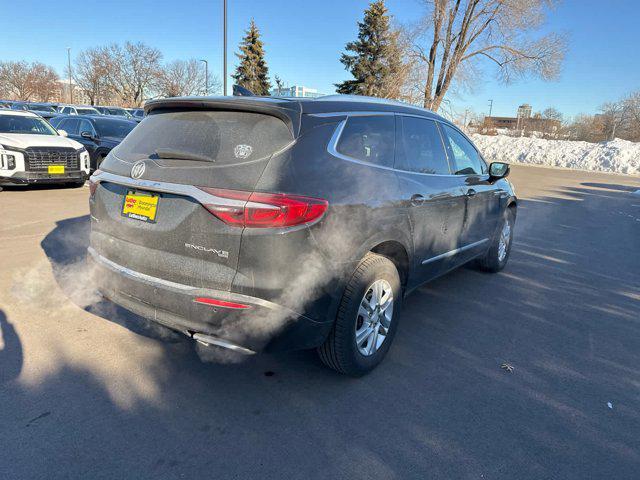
{"x": 265, "y": 210}
{"x": 93, "y": 185}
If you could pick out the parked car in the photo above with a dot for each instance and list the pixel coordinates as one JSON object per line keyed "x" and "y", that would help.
{"x": 117, "y": 111}
{"x": 32, "y": 151}
{"x": 136, "y": 113}
{"x": 262, "y": 224}
{"x": 98, "y": 134}
{"x": 77, "y": 110}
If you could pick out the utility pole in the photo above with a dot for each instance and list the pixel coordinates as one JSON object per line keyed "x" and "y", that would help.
{"x": 69, "y": 72}
{"x": 224, "y": 43}
{"x": 206, "y": 76}
{"x": 490, "y": 106}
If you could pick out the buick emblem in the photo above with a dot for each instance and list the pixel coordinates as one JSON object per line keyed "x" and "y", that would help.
{"x": 138, "y": 170}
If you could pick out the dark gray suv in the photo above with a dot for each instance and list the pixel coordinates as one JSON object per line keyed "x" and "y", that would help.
{"x": 260, "y": 224}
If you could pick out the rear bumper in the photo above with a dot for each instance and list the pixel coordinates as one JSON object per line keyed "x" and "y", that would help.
{"x": 26, "y": 178}
{"x": 264, "y": 326}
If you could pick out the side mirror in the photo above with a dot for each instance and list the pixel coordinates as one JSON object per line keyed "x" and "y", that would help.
{"x": 86, "y": 135}
{"x": 63, "y": 133}
{"x": 498, "y": 170}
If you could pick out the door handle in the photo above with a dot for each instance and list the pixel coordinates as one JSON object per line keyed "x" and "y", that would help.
{"x": 417, "y": 199}
{"x": 471, "y": 192}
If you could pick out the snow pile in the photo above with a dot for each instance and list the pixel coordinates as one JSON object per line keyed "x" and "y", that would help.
{"x": 617, "y": 156}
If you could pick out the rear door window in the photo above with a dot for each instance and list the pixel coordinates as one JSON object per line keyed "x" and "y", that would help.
{"x": 369, "y": 139}
{"x": 465, "y": 158}
{"x": 215, "y": 136}
{"x": 85, "y": 126}
{"x": 71, "y": 126}
{"x": 422, "y": 150}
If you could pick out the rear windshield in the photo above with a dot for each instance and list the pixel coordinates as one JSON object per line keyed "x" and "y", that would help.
{"x": 215, "y": 136}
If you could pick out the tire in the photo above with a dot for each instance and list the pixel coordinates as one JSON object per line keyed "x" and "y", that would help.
{"x": 496, "y": 259}
{"x": 99, "y": 160}
{"x": 340, "y": 351}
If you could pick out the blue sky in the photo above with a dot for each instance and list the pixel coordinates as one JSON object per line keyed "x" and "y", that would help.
{"x": 304, "y": 40}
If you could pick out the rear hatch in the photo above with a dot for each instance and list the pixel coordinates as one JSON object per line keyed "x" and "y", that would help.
{"x": 157, "y": 224}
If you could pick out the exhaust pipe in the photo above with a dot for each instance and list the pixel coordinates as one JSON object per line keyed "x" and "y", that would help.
{"x": 209, "y": 340}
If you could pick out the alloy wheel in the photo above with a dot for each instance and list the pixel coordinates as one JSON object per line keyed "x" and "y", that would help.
{"x": 374, "y": 317}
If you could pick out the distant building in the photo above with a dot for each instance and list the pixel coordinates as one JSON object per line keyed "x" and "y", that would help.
{"x": 524, "y": 111}
{"x": 296, "y": 91}
{"x": 523, "y": 121}
{"x": 80, "y": 97}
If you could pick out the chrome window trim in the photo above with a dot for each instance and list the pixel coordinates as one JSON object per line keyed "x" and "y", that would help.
{"x": 456, "y": 251}
{"x": 335, "y": 138}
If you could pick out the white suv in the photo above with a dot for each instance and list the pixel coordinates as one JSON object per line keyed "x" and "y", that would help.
{"x": 32, "y": 151}
{"x": 77, "y": 110}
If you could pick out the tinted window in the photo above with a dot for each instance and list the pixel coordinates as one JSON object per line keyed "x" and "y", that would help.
{"x": 370, "y": 139}
{"x": 87, "y": 111}
{"x": 23, "y": 124}
{"x": 70, "y": 125}
{"x": 422, "y": 150}
{"x": 114, "y": 128}
{"x": 217, "y": 136}
{"x": 464, "y": 156}
{"x": 85, "y": 126}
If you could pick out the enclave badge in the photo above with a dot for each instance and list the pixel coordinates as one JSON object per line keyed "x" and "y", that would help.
{"x": 138, "y": 169}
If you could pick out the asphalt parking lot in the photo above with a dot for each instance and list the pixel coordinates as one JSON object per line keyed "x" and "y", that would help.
{"x": 96, "y": 393}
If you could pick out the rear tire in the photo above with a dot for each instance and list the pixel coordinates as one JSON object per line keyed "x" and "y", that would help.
{"x": 498, "y": 253}
{"x": 376, "y": 277}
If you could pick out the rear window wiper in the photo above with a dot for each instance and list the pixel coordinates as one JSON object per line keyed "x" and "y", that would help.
{"x": 181, "y": 155}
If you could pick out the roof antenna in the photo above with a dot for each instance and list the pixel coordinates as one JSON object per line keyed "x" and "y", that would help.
{"x": 239, "y": 91}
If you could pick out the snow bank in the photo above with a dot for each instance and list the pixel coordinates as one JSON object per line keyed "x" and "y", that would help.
{"x": 617, "y": 156}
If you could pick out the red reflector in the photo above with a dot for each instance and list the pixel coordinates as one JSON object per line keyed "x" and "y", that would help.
{"x": 220, "y": 303}
{"x": 93, "y": 185}
{"x": 266, "y": 210}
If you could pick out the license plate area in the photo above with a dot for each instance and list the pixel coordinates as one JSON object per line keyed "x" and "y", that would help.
{"x": 142, "y": 206}
{"x": 55, "y": 169}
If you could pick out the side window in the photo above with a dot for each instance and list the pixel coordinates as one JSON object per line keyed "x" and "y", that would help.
{"x": 85, "y": 126}
{"x": 66, "y": 110}
{"x": 369, "y": 138}
{"x": 421, "y": 150}
{"x": 464, "y": 156}
{"x": 71, "y": 126}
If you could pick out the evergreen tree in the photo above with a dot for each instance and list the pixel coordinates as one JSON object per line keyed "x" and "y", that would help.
{"x": 252, "y": 73}
{"x": 376, "y": 61}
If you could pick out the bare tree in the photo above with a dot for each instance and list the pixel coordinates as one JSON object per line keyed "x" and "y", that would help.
{"x": 552, "y": 114}
{"x": 632, "y": 107}
{"x": 456, "y": 35}
{"x": 133, "y": 71}
{"x": 181, "y": 78}
{"x": 28, "y": 81}
{"x": 613, "y": 117}
{"x": 91, "y": 70}
{"x": 279, "y": 84}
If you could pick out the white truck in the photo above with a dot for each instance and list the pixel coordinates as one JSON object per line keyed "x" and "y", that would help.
{"x": 32, "y": 151}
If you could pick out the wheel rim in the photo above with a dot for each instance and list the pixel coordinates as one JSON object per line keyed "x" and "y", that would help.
{"x": 505, "y": 239}
{"x": 374, "y": 317}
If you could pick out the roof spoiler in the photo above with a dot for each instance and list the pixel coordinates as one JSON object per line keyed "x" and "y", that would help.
{"x": 239, "y": 91}
{"x": 287, "y": 111}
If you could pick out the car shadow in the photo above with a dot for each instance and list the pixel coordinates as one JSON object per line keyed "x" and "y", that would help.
{"x": 11, "y": 355}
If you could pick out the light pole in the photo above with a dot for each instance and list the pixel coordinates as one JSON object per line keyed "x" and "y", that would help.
{"x": 224, "y": 46}
{"x": 69, "y": 72}
{"x": 206, "y": 76}
{"x": 490, "y": 106}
